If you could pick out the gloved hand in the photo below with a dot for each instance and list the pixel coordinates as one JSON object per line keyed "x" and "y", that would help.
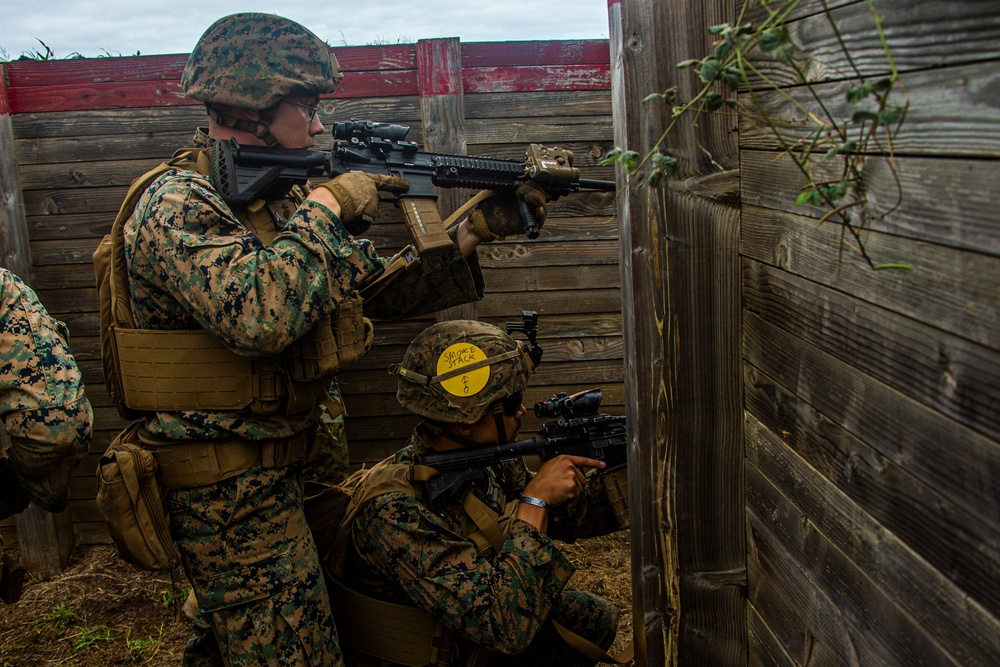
{"x": 499, "y": 217}
{"x": 357, "y": 193}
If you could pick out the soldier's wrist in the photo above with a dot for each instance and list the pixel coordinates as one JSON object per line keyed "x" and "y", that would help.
{"x": 537, "y": 502}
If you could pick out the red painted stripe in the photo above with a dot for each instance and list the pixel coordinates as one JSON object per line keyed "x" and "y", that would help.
{"x": 372, "y": 71}
{"x": 439, "y": 67}
{"x": 523, "y": 79}
{"x": 612, "y": 3}
{"x": 169, "y": 68}
{"x": 570, "y": 52}
{"x": 119, "y": 95}
{"x": 4, "y": 99}
{"x": 24, "y": 73}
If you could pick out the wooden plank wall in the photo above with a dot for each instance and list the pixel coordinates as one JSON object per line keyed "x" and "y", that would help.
{"x": 871, "y": 423}
{"x": 84, "y": 129}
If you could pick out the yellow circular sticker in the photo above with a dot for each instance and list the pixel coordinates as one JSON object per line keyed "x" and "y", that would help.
{"x": 465, "y": 384}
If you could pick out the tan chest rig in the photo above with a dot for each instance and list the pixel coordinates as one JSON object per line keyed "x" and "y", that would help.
{"x": 157, "y": 370}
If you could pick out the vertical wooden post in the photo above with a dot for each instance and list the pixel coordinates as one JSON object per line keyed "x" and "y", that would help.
{"x": 44, "y": 539}
{"x": 14, "y": 252}
{"x": 442, "y": 110}
{"x": 681, "y": 309}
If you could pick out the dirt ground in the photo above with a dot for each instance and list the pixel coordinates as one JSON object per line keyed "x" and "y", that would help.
{"x": 102, "y": 611}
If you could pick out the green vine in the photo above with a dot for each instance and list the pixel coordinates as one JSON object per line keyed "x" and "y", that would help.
{"x": 872, "y": 128}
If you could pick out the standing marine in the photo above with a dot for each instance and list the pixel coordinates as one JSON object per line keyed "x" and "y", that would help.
{"x": 231, "y": 323}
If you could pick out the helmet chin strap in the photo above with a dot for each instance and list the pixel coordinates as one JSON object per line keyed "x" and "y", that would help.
{"x": 260, "y": 128}
{"x": 497, "y": 410}
{"x": 498, "y": 421}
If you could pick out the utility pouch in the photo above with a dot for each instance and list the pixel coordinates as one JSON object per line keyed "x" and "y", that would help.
{"x": 131, "y": 500}
{"x": 333, "y": 345}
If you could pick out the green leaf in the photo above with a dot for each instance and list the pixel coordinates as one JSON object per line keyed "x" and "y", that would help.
{"x": 859, "y": 93}
{"x": 719, "y": 29}
{"x": 710, "y": 70}
{"x": 785, "y": 53}
{"x": 723, "y": 49}
{"x": 731, "y": 77}
{"x": 651, "y": 97}
{"x": 864, "y": 116}
{"x": 665, "y": 163}
{"x": 614, "y": 155}
{"x": 808, "y": 197}
{"x": 687, "y": 63}
{"x": 713, "y": 102}
{"x": 883, "y": 84}
{"x": 773, "y": 38}
{"x": 891, "y": 115}
{"x": 655, "y": 178}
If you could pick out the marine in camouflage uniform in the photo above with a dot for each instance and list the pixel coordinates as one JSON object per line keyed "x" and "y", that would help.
{"x": 193, "y": 263}
{"x": 408, "y": 550}
{"x": 45, "y": 413}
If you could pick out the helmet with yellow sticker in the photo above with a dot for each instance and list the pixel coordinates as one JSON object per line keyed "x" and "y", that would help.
{"x": 454, "y": 371}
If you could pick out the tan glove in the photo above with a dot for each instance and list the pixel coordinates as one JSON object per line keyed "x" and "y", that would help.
{"x": 357, "y": 193}
{"x": 499, "y": 217}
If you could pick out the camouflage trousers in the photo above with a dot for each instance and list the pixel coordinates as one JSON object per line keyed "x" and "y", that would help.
{"x": 252, "y": 563}
{"x": 591, "y": 616}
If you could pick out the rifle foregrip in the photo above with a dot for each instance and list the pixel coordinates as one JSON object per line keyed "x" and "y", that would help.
{"x": 531, "y": 227}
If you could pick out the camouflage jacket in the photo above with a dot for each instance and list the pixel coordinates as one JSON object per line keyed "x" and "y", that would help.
{"x": 408, "y": 553}
{"x": 193, "y": 265}
{"x": 44, "y": 409}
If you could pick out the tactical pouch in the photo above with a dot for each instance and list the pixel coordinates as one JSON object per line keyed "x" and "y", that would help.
{"x": 131, "y": 500}
{"x": 332, "y": 345}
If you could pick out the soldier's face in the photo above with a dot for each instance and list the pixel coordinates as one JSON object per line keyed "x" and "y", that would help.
{"x": 296, "y": 122}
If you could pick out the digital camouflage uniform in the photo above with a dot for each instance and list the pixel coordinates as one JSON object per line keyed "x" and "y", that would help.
{"x": 245, "y": 546}
{"x": 45, "y": 413}
{"x": 408, "y": 553}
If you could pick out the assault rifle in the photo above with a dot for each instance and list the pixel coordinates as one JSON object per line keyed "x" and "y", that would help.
{"x": 579, "y": 431}
{"x": 242, "y": 174}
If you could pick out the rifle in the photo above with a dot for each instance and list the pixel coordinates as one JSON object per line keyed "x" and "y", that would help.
{"x": 242, "y": 174}
{"x": 579, "y": 431}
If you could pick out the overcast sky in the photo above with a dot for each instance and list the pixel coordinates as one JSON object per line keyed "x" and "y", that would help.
{"x": 117, "y": 27}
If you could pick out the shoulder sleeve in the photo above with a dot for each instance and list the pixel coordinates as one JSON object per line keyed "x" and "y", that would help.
{"x": 44, "y": 408}
{"x": 184, "y": 242}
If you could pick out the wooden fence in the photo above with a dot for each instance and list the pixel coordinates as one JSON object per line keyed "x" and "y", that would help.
{"x": 819, "y": 440}
{"x": 79, "y": 131}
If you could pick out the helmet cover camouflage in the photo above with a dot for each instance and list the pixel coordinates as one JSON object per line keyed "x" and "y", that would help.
{"x": 453, "y": 371}
{"x": 253, "y": 61}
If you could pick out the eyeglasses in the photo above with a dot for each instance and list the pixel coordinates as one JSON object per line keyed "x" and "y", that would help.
{"x": 312, "y": 109}
{"x": 512, "y": 403}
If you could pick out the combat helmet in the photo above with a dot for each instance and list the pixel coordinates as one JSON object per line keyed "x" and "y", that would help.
{"x": 454, "y": 371}
{"x": 253, "y": 61}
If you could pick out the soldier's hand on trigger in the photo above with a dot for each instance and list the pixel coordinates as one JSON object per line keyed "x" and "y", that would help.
{"x": 357, "y": 194}
{"x": 560, "y": 480}
{"x": 499, "y": 217}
